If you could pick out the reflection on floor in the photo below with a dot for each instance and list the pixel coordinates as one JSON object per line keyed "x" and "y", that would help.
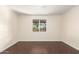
{"x": 42, "y": 47}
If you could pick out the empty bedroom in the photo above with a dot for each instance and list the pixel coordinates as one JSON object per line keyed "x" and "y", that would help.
{"x": 39, "y": 29}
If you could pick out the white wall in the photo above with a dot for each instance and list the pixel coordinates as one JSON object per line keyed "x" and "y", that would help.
{"x": 26, "y": 33}
{"x": 7, "y": 27}
{"x": 13, "y": 28}
{"x": 70, "y": 27}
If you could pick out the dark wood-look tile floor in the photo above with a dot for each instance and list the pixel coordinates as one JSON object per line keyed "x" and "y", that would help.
{"x": 42, "y": 47}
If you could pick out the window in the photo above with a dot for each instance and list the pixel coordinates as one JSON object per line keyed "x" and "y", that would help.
{"x": 35, "y": 25}
{"x": 39, "y": 25}
{"x": 42, "y": 25}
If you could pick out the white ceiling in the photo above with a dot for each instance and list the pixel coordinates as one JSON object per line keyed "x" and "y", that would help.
{"x": 41, "y": 9}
